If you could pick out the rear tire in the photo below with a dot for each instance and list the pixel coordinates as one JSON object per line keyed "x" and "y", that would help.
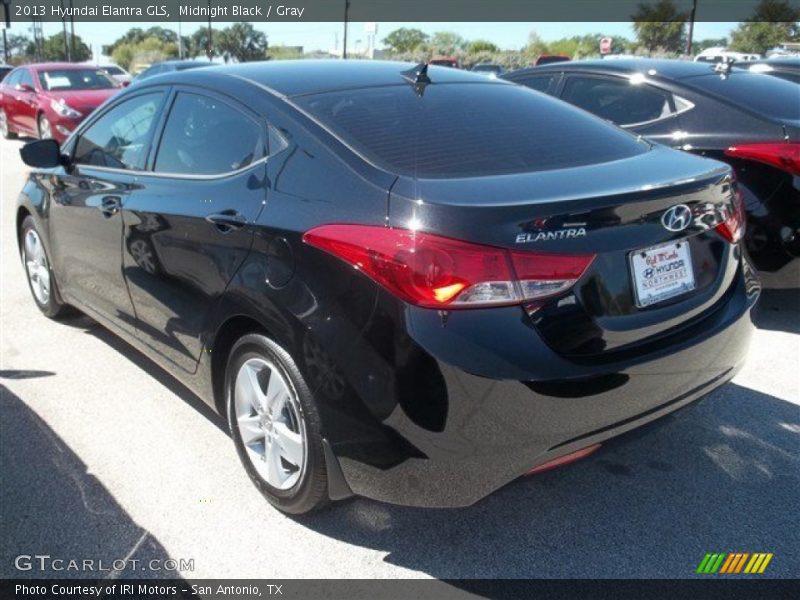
{"x": 275, "y": 425}
{"x": 4, "y": 127}
{"x": 41, "y": 279}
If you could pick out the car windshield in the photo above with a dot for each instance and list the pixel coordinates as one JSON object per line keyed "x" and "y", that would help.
{"x": 467, "y": 129}
{"x": 75, "y": 79}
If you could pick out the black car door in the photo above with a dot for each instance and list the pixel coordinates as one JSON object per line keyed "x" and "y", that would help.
{"x": 629, "y": 102}
{"x": 186, "y": 225}
{"x": 85, "y": 220}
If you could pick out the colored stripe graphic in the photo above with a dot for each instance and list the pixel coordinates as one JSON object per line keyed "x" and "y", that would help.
{"x": 734, "y": 562}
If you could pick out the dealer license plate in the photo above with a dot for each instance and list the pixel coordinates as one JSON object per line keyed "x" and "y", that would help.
{"x": 662, "y": 272}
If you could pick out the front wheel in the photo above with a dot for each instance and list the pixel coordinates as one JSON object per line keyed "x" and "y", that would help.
{"x": 4, "y": 129}
{"x": 275, "y": 425}
{"x": 45, "y": 129}
{"x": 40, "y": 275}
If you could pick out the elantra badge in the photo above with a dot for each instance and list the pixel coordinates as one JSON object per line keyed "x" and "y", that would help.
{"x": 677, "y": 218}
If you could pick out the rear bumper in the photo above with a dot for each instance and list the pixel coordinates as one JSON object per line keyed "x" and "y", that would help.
{"x": 438, "y": 431}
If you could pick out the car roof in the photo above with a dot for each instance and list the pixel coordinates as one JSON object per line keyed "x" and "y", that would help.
{"x": 58, "y": 65}
{"x": 183, "y": 62}
{"x": 299, "y": 77}
{"x": 669, "y": 69}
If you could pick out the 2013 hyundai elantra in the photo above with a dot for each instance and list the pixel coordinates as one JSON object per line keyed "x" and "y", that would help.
{"x": 409, "y": 283}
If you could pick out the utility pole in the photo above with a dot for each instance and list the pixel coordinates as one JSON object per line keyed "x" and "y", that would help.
{"x": 346, "y": 10}
{"x": 691, "y": 28}
{"x": 5, "y": 24}
{"x": 64, "y": 28}
{"x": 210, "y": 41}
{"x": 71, "y": 30}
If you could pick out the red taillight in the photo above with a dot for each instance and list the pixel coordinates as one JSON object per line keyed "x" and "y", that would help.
{"x": 733, "y": 227}
{"x": 783, "y": 155}
{"x": 438, "y": 272}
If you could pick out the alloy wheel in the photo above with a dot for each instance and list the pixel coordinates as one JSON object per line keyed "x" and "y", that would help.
{"x": 270, "y": 423}
{"x": 37, "y": 267}
{"x": 45, "y": 131}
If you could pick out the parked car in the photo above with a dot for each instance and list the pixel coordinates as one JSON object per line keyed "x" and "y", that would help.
{"x": 49, "y": 100}
{"x": 546, "y": 59}
{"x": 717, "y": 55}
{"x": 748, "y": 120}
{"x": 170, "y": 66}
{"x": 414, "y": 284}
{"x": 488, "y": 69}
{"x": 5, "y": 70}
{"x": 119, "y": 74}
{"x": 445, "y": 61}
{"x": 785, "y": 67}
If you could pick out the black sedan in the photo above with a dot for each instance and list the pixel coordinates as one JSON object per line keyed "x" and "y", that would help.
{"x": 170, "y": 66}
{"x": 749, "y": 120}
{"x": 414, "y": 284}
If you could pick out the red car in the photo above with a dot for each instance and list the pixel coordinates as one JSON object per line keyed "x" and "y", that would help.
{"x": 49, "y": 100}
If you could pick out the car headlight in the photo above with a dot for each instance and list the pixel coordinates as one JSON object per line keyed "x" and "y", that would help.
{"x": 64, "y": 109}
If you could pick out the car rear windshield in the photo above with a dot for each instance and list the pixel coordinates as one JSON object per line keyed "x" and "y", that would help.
{"x": 75, "y": 79}
{"x": 112, "y": 70}
{"x": 769, "y": 96}
{"x": 467, "y": 130}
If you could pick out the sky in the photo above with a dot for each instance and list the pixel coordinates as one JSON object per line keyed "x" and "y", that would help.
{"x": 324, "y": 36}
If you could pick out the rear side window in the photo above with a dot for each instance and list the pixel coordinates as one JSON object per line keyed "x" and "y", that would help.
{"x": 467, "y": 130}
{"x": 25, "y": 77}
{"x": 205, "y": 136}
{"x": 763, "y": 94}
{"x": 120, "y": 138}
{"x": 540, "y": 83}
{"x": 617, "y": 100}
{"x": 13, "y": 78}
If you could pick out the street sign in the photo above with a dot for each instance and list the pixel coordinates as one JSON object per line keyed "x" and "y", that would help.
{"x": 605, "y": 45}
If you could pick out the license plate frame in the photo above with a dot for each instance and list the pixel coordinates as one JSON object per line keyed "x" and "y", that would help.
{"x": 677, "y": 276}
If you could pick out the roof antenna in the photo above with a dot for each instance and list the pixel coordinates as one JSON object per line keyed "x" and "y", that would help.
{"x": 724, "y": 66}
{"x": 418, "y": 76}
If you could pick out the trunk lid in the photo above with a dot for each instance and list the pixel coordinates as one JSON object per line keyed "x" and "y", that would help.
{"x": 612, "y": 210}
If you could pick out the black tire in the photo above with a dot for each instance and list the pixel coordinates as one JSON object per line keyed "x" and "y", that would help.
{"x": 6, "y": 131}
{"x": 54, "y": 307}
{"x": 310, "y": 492}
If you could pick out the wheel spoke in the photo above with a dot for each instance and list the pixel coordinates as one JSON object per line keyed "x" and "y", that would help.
{"x": 250, "y": 429}
{"x": 276, "y": 475}
{"x": 290, "y": 443}
{"x": 276, "y": 394}
{"x": 256, "y": 394}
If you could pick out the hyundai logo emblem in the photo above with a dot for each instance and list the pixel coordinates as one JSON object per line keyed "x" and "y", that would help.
{"x": 677, "y": 218}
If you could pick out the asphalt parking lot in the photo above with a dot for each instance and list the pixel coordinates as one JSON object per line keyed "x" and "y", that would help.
{"x": 105, "y": 456}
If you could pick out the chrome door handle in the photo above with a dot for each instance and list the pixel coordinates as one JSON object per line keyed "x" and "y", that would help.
{"x": 227, "y": 220}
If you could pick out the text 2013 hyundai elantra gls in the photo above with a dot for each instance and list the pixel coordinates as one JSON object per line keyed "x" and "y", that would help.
{"x": 413, "y": 285}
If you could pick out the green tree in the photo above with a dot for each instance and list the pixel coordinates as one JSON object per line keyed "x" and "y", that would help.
{"x": 135, "y": 35}
{"x": 198, "y": 43}
{"x": 146, "y": 52}
{"x": 446, "y": 43}
{"x": 773, "y": 22}
{"x": 405, "y": 40}
{"x": 660, "y": 26}
{"x": 476, "y": 46}
{"x": 17, "y": 45}
{"x": 536, "y": 47}
{"x": 53, "y": 49}
{"x": 242, "y": 42}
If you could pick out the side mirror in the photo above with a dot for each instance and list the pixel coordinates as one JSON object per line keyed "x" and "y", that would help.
{"x": 25, "y": 87}
{"x": 43, "y": 154}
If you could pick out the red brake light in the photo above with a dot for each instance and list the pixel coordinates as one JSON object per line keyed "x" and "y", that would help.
{"x": 783, "y": 155}
{"x": 733, "y": 227}
{"x": 439, "y": 272}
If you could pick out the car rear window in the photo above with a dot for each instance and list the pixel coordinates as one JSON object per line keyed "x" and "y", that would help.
{"x": 768, "y": 96}
{"x": 467, "y": 130}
